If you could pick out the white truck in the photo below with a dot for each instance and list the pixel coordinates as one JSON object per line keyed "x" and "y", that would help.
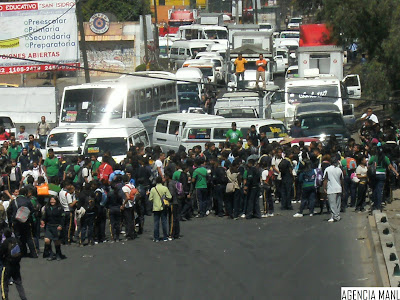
{"x": 26, "y": 105}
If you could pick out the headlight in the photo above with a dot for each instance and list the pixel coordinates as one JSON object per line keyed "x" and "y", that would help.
{"x": 322, "y": 137}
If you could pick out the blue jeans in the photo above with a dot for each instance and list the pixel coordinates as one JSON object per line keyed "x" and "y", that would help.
{"x": 202, "y": 198}
{"x": 350, "y": 189}
{"x": 378, "y": 190}
{"x": 157, "y": 215}
{"x": 308, "y": 198}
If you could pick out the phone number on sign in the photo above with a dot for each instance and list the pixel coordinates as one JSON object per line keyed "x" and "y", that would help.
{"x": 36, "y": 68}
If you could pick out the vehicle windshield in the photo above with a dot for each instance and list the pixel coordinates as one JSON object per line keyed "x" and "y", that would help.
{"x": 206, "y": 71}
{"x": 216, "y": 34}
{"x": 188, "y": 88}
{"x": 237, "y": 113}
{"x": 266, "y": 26}
{"x": 292, "y": 73}
{"x": 66, "y": 139}
{"x": 283, "y": 53}
{"x": 189, "y": 100}
{"x": 290, "y": 35}
{"x": 6, "y": 122}
{"x": 295, "y": 20}
{"x": 247, "y": 84}
{"x": 163, "y": 50}
{"x": 179, "y": 23}
{"x": 322, "y": 121}
{"x": 91, "y": 105}
{"x": 251, "y": 65}
{"x": 197, "y": 50}
{"x": 220, "y": 133}
{"x": 306, "y": 94}
{"x": 116, "y": 145}
{"x": 274, "y": 130}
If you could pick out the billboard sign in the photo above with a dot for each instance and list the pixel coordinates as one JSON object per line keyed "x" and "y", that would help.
{"x": 37, "y": 35}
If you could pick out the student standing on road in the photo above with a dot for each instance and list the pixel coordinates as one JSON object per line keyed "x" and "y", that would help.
{"x": 200, "y": 181}
{"x": 239, "y": 63}
{"x": 173, "y": 212}
{"x": 10, "y": 255}
{"x": 234, "y": 135}
{"x": 252, "y": 189}
{"x": 51, "y": 165}
{"x": 333, "y": 187}
{"x": 53, "y": 220}
{"x": 156, "y": 193}
{"x": 43, "y": 129}
{"x": 307, "y": 180}
{"x": 286, "y": 171}
{"x": 261, "y": 64}
{"x": 361, "y": 172}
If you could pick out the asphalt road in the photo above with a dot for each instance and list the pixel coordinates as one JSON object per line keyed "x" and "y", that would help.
{"x": 282, "y": 257}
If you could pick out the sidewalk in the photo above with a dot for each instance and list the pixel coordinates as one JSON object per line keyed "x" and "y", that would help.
{"x": 393, "y": 212}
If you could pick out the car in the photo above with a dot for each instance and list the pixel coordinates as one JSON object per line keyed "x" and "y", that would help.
{"x": 295, "y": 23}
{"x": 292, "y": 72}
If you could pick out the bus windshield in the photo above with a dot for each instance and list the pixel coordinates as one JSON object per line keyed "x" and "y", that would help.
{"x": 306, "y": 94}
{"x": 91, "y": 105}
{"x": 116, "y": 145}
{"x": 66, "y": 139}
{"x": 188, "y": 87}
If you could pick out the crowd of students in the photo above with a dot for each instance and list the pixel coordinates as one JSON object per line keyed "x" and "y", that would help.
{"x": 71, "y": 199}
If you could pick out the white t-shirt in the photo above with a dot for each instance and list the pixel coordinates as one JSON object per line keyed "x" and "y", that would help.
{"x": 22, "y": 136}
{"x": 66, "y": 199}
{"x": 159, "y": 164}
{"x": 275, "y": 162}
{"x": 127, "y": 189}
{"x": 372, "y": 117}
{"x": 87, "y": 173}
{"x": 362, "y": 171}
{"x": 334, "y": 175}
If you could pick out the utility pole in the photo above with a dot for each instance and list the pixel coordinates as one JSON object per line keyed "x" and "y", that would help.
{"x": 146, "y": 50}
{"x": 156, "y": 37}
{"x": 83, "y": 41}
{"x": 237, "y": 11}
{"x": 256, "y": 11}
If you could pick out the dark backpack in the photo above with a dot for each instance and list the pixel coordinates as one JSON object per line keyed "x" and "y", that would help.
{"x": 14, "y": 251}
{"x": 70, "y": 172}
{"x": 81, "y": 180}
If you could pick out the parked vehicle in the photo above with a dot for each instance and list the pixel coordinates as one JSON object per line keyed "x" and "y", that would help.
{"x": 169, "y": 128}
{"x": 116, "y": 136}
{"x": 295, "y": 23}
{"x": 184, "y": 50}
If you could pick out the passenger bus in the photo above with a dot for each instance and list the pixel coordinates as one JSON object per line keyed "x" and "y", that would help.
{"x": 142, "y": 97}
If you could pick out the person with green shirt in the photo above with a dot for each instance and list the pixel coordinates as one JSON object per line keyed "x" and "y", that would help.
{"x": 51, "y": 165}
{"x": 381, "y": 163}
{"x": 234, "y": 135}
{"x": 199, "y": 178}
{"x": 14, "y": 150}
{"x": 95, "y": 165}
{"x": 72, "y": 174}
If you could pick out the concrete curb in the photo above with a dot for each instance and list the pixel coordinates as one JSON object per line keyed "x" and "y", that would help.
{"x": 379, "y": 264}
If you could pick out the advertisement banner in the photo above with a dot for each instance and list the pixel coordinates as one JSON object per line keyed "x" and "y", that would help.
{"x": 37, "y": 35}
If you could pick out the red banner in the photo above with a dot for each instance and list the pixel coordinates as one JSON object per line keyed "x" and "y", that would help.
{"x": 315, "y": 35}
{"x": 38, "y": 68}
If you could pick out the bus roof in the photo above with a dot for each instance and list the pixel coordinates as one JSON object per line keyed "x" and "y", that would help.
{"x": 73, "y": 128}
{"x": 187, "y": 117}
{"x": 301, "y": 81}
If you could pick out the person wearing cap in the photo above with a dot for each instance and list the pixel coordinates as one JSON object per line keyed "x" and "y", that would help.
{"x": 234, "y": 135}
{"x": 239, "y": 63}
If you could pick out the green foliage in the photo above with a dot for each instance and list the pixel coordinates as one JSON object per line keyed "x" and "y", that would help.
{"x": 124, "y": 10}
{"x": 142, "y": 67}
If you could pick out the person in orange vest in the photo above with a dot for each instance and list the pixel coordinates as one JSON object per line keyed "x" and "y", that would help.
{"x": 261, "y": 67}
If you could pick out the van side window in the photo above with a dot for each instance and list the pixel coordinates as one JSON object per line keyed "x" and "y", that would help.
{"x": 174, "y": 50}
{"x": 156, "y": 98}
{"x": 136, "y": 139}
{"x": 161, "y": 126}
{"x": 144, "y": 138}
{"x": 182, "y": 51}
{"x": 130, "y": 106}
{"x": 173, "y": 127}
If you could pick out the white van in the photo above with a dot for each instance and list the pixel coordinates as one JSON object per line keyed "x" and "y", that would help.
{"x": 116, "y": 136}
{"x": 68, "y": 140}
{"x": 200, "y": 132}
{"x": 168, "y": 129}
{"x": 183, "y": 50}
{"x": 207, "y": 68}
{"x": 190, "y": 87}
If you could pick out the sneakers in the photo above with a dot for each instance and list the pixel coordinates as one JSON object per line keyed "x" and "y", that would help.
{"x": 299, "y": 201}
{"x": 270, "y": 215}
{"x": 165, "y": 239}
{"x": 293, "y": 202}
{"x": 156, "y": 240}
{"x": 276, "y": 201}
{"x": 331, "y": 220}
{"x": 243, "y": 216}
{"x": 264, "y": 216}
{"x": 207, "y": 212}
{"x": 170, "y": 239}
{"x": 311, "y": 215}
{"x": 297, "y": 215}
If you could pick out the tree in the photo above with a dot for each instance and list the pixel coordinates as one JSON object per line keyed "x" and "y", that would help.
{"x": 124, "y": 10}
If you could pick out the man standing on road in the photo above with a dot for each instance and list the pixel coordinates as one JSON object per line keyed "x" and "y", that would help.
{"x": 369, "y": 115}
{"x": 239, "y": 63}
{"x": 333, "y": 187}
{"x": 261, "y": 66}
{"x": 233, "y": 135}
{"x": 43, "y": 129}
{"x": 200, "y": 181}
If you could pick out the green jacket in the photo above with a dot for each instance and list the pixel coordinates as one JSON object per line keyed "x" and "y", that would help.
{"x": 155, "y": 197}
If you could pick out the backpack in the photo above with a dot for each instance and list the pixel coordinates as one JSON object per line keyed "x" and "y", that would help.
{"x": 132, "y": 193}
{"x": 14, "y": 251}
{"x": 351, "y": 163}
{"x": 70, "y": 172}
{"x": 103, "y": 201}
{"x": 154, "y": 173}
{"x": 319, "y": 178}
{"x": 179, "y": 189}
{"x": 22, "y": 214}
{"x": 81, "y": 180}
